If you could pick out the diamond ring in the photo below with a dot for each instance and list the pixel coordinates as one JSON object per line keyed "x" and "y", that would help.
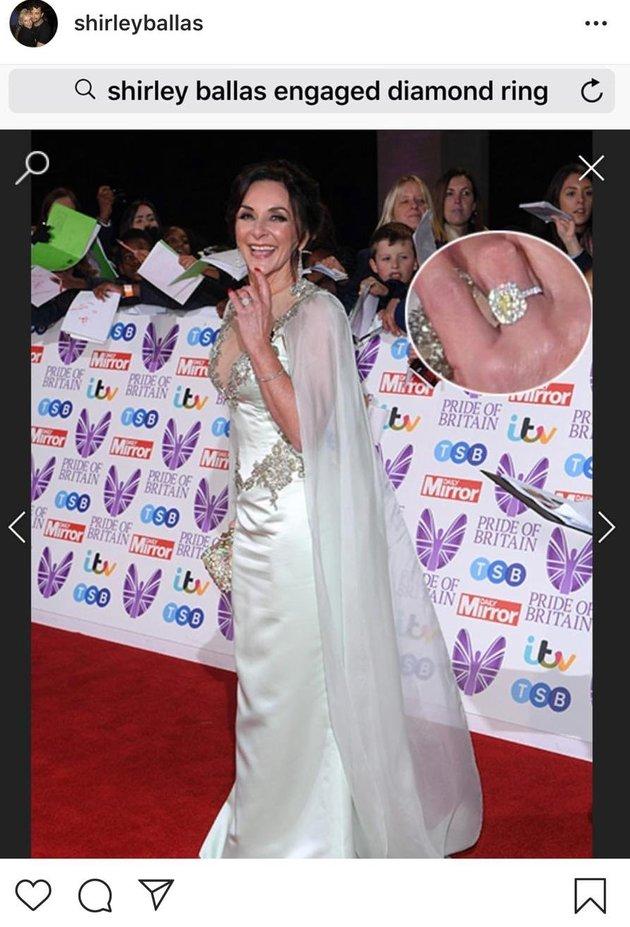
{"x": 246, "y": 300}
{"x": 508, "y": 303}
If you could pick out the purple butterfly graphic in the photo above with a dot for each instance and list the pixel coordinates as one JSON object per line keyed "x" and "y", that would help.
{"x": 41, "y": 478}
{"x": 398, "y": 468}
{"x": 474, "y": 672}
{"x": 176, "y": 448}
{"x": 224, "y": 616}
{"x": 88, "y": 438}
{"x": 366, "y": 357}
{"x": 70, "y": 349}
{"x": 139, "y": 596}
{"x": 51, "y": 576}
{"x": 209, "y": 510}
{"x": 436, "y": 548}
{"x": 157, "y": 351}
{"x": 537, "y": 477}
{"x": 118, "y": 496}
{"x": 568, "y": 569}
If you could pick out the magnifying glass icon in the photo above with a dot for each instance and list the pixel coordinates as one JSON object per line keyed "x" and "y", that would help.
{"x": 32, "y": 169}
{"x": 83, "y": 88}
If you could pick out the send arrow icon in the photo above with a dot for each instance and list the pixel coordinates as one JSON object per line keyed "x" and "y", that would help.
{"x": 158, "y": 889}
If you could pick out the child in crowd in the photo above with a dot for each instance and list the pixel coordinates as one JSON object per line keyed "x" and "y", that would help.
{"x": 393, "y": 263}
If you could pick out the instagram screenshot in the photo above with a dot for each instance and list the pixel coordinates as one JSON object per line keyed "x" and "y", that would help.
{"x": 305, "y": 555}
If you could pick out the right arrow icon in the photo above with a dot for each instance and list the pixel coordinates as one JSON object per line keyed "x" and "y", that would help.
{"x": 610, "y": 530}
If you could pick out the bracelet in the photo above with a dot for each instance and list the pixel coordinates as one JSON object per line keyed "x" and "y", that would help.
{"x": 272, "y": 377}
{"x": 127, "y": 292}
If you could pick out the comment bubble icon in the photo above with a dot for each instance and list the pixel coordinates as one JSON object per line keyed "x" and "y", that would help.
{"x": 95, "y": 896}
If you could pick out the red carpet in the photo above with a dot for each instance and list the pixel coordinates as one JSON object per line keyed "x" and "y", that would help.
{"x": 133, "y": 756}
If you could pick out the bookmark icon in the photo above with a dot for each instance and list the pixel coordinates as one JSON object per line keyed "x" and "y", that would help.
{"x": 158, "y": 889}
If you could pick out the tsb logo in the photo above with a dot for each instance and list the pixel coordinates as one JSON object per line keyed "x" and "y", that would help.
{"x": 540, "y": 695}
{"x": 159, "y": 515}
{"x": 220, "y": 427}
{"x": 122, "y": 332}
{"x": 579, "y": 465}
{"x": 461, "y": 452}
{"x": 91, "y": 595}
{"x": 140, "y": 418}
{"x": 72, "y": 501}
{"x": 183, "y": 615}
{"x": 498, "y": 571}
{"x": 56, "y": 408}
{"x": 203, "y": 336}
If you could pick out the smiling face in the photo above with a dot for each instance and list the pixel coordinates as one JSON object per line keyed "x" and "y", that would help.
{"x": 394, "y": 262}
{"x": 410, "y": 205}
{"x": 266, "y": 230}
{"x": 144, "y": 218}
{"x": 25, "y": 19}
{"x": 459, "y": 201}
{"x": 576, "y": 198}
{"x": 37, "y": 14}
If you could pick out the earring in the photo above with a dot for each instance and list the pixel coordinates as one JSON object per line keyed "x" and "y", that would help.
{"x": 300, "y": 265}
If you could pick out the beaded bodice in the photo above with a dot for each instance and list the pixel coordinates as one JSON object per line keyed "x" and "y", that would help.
{"x": 261, "y": 454}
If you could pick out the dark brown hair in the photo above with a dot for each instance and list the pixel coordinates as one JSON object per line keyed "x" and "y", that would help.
{"x": 475, "y": 223}
{"x": 57, "y": 194}
{"x": 585, "y": 237}
{"x": 303, "y": 193}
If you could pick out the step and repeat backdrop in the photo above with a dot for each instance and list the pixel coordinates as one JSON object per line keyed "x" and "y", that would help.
{"x": 129, "y": 480}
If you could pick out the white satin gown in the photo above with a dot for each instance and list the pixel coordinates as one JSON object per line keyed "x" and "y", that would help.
{"x": 290, "y": 797}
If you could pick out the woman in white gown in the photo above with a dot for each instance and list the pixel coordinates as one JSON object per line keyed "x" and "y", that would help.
{"x": 350, "y": 736}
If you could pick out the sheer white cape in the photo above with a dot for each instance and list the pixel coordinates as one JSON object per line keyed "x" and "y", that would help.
{"x": 394, "y": 704}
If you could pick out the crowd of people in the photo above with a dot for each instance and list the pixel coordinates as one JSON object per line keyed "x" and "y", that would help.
{"x": 384, "y": 268}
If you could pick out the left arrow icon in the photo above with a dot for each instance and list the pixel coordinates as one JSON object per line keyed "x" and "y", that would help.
{"x": 14, "y": 523}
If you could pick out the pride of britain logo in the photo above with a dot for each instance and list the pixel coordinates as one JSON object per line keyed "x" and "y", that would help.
{"x": 568, "y": 568}
{"x": 475, "y": 671}
{"x": 51, "y": 577}
{"x": 139, "y": 595}
{"x": 70, "y": 349}
{"x": 536, "y": 477}
{"x": 176, "y": 447}
{"x": 437, "y": 546}
{"x": 156, "y": 352}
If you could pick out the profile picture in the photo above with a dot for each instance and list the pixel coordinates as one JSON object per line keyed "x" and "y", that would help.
{"x": 498, "y": 312}
{"x": 33, "y": 24}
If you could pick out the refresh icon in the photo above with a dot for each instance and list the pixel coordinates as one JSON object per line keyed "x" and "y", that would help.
{"x": 589, "y": 93}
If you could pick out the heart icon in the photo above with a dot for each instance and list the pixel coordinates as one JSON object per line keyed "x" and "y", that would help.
{"x": 33, "y": 894}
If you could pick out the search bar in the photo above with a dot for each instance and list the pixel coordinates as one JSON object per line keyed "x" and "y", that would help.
{"x": 307, "y": 90}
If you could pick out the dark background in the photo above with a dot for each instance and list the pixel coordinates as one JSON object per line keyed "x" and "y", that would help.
{"x": 187, "y": 174}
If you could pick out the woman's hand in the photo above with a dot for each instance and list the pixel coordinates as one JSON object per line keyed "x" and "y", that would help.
{"x": 103, "y": 290}
{"x": 252, "y": 313}
{"x": 567, "y": 234}
{"x": 504, "y": 358}
{"x": 187, "y": 260}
